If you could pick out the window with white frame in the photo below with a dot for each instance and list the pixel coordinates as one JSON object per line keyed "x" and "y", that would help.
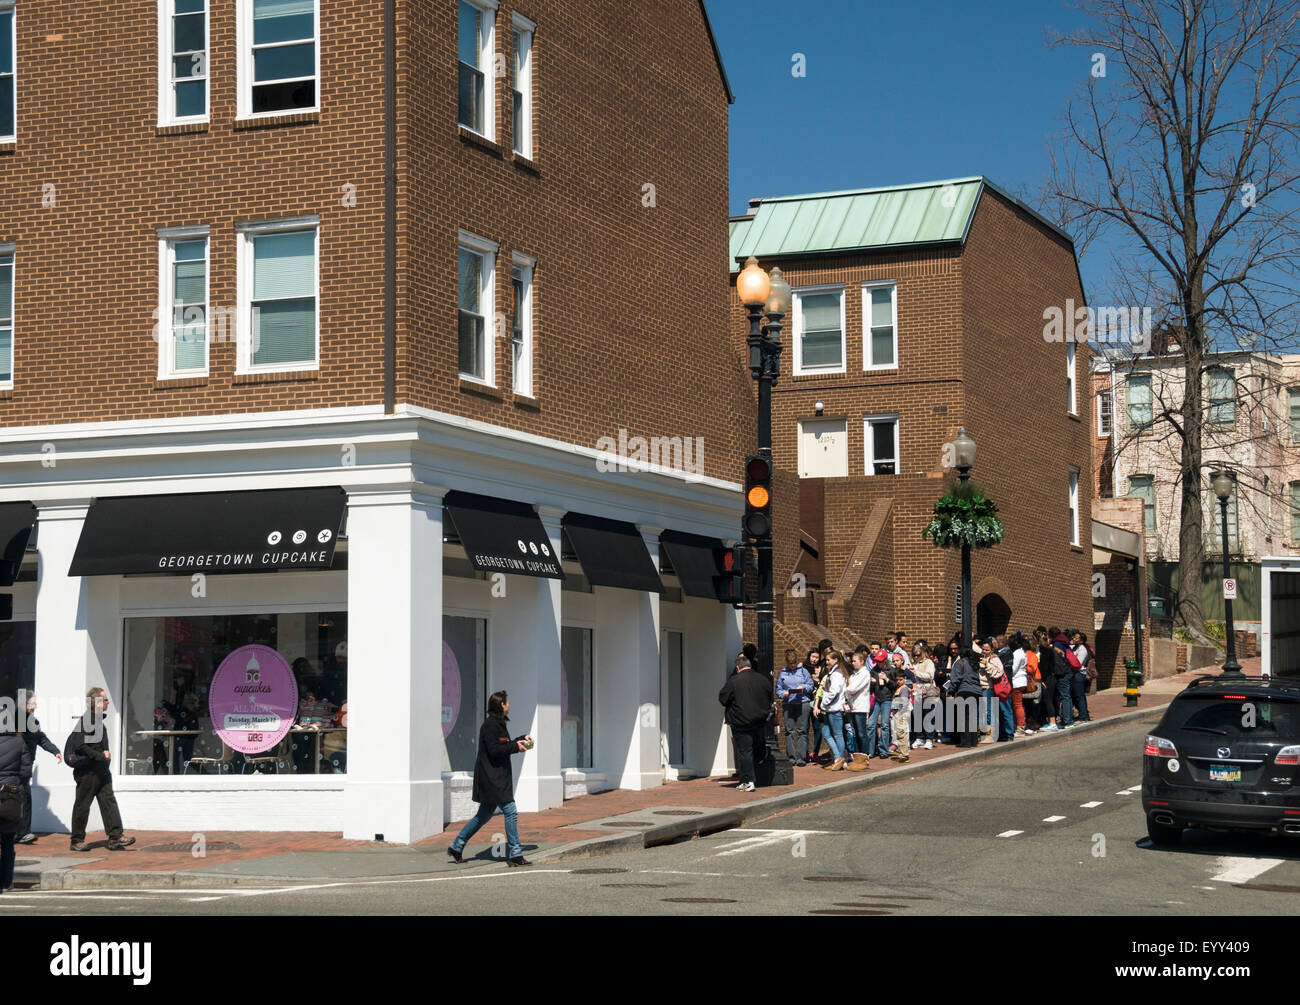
{"x": 1144, "y": 487}
{"x": 279, "y": 294}
{"x": 474, "y": 301}
{"x": 1223, "y": 397}
{"x": 8, "y": 57}
{"x": 1071, "y": 398}
{"x": 279, "y": 54}
{"x": 182, "y": 61}
{"x": 819, "y": 331}
{"x": 1074, "y": 506}
{"x": 1293, "y": 413}
{"x": 881, "y": 444}
{"x": 1105, "y": 412}
{"x": 183, "y": 303}
{"x": 476, "y": 26}
{"x": 521, "y": 329}
{"x": 879, "y": 326}
{"x": 1295, "y": 514}
{"x": 1138, "y": 391}
{"x": 6, "y": 316}
{"x": 522, "y": 91}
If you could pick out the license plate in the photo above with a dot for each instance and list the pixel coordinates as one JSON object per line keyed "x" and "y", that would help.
{"x": 1224, "y": 773}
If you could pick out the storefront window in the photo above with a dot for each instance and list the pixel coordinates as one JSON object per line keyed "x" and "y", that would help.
{"x": 170, "y": 663}
{"x": 464, "y": 688}
{"x": 17, "y": 658}
{"x": 575, "y": 697}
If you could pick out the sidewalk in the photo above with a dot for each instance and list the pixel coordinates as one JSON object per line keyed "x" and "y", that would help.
{"x": 592, "y": 825}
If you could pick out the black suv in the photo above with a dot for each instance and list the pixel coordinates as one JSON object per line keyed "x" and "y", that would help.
{"x": 1226, "y": 756}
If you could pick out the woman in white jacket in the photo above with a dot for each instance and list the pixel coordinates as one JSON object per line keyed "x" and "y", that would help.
{"x": 858, "y": 694}
{"x": 926, "y": 695}
{"x": 833, "y": 704}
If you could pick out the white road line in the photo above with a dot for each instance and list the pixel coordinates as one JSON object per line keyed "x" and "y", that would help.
{"x": 1052, "y": 820}
{"x": 761, "y": 839}
{"x": 1009, "y": 834}
{"x": 1090, "y": 806}
{"x": 1241, "y": 870}
{"x": 687, "y": 872}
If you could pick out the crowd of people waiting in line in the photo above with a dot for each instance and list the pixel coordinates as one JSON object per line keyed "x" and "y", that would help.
{"x": 884, "y": 701}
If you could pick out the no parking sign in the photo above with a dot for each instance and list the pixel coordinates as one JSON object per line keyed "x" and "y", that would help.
{"x": 1229, "y": 589}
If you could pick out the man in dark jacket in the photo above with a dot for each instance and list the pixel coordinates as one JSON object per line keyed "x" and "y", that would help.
{"x": 1061, "y": 671}
{"x": 747, "y": 699}
{"x": 88, "y": 755}
{"x": 15, "y": 773}
{"x": 966, "y": 693}
{"x": 494, "y": 783}
{"x": 34, "y": 737}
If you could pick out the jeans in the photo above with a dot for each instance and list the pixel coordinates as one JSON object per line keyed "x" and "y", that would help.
{"x": 931, "y": 715}
{"x": 751, "y": 747}
{"x": 485, "y": 810}
{"x": 796, "y": 731}
{"x": 7, "y": 858}
{"x": 1079, "y": 693}
{"x": 1008, "y": 719}
{"x": 93, "y": 786}
{"x": 817, "y": 725}
{"x": 879, "y": 717}
{"x": 835, "y": 734}
{"x": 860, "y": 727}
{"x": 852, "y": 742}
{"x": 25, "y": 824}
{"x": 988, "y": 713}
{"x": 1065, "y": 708}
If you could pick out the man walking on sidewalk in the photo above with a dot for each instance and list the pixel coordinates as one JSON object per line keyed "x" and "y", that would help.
{"x": 34, "y": 737}
{"x": 87, "y": 753}
{"x": 747, "y": 699}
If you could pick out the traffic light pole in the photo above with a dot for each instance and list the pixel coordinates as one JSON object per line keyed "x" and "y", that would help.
{"x": 764, "y": 361}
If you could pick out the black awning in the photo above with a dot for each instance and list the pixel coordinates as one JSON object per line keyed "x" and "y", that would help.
{"x": 501, "y": 535}
{"x": 16, "y": 521}
{"x": 612, "y": 553}
{"x": 696, "y": 560}
{"x": 211, "y": 532}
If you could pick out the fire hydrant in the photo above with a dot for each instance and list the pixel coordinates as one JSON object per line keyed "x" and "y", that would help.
{"x": 1131, "y": 693}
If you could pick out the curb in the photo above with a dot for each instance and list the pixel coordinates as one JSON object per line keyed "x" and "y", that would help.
{"x": 679, "y": 830}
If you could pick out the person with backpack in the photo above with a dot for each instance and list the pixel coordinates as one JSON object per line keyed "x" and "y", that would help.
{"x": 1083, "y": 676}
{"x": 1059, "y": 655}
{"x": 87, "y": 754}
{"x": 1006, "y": 708}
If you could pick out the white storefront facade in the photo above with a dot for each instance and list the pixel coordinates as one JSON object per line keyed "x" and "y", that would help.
{"x": 618, "y": 686}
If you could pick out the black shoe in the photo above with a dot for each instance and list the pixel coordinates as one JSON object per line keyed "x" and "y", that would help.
{"x": 121, "y": 843}
{"x": 456, "y": 856}
{"x": 26, "y": 839}
{"x": 78, "y": 846}
{"x": 517, "y": 861}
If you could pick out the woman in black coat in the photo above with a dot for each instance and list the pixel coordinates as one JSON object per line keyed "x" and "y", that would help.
{"x": 15, "y": 773}
{"x": 494, "y": 784}
{"x": 964, "y": 685}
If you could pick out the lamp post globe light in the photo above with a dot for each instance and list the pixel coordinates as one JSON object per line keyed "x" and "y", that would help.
{"x": 1223, "y": 481}
{"x": 765, "y": 295}
{"x": 963, "y": 447}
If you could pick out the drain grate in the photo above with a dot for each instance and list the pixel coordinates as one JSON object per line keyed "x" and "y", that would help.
{"x": 836, "y": 879}
{"x": 696, "y": 900}
{"x": 186, "y": 846}
{"x": 599, "y": 872}
{"x": 632, "y": 824}
{"x": 678, "y": 813}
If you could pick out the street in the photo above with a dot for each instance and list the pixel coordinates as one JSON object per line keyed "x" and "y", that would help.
{"x": 1052, "y": 830}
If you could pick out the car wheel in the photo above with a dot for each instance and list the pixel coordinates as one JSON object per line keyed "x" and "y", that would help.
{"x": 1162, "y": 835}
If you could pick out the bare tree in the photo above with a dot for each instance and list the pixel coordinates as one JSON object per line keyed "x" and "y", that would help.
{"x": 1182, "y": 147}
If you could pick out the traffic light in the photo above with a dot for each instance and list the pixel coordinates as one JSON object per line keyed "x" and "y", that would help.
{"x": 731, "y": 584}
{"x": 758, "y": 496}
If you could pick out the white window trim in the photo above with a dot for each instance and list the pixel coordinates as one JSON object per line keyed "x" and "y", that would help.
{"x": 524, "y": 26}
{"x": 488, "y": 300}
{"x": 869, "y": 458}
{"x": 1074, "y": 507}
{"x": 244, "y": 323}
{"x": 1109, "y": 395}
{"x": 166, "y": 261}
{"x": 1071, "y": 378}
{"x": 13, "y": 41}
{"x": 166, "y": 91}
{"x": 487, "y": 60}
{"x": 5, "y": 251}
{"x": 797, "y": 323}
{"x": 1155, "y": 517}
{"x": 244, "y": 55}
{"x": 529, "y": 266}
{"x": 868, "y": 362}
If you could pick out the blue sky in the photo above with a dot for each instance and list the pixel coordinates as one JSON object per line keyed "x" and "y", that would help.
{"x": 894, "y": 92}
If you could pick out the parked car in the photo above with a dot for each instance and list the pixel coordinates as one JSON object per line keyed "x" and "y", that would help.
{"x": 1225, "y": 757}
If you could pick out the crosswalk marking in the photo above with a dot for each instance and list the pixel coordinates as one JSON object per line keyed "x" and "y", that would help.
{"x": 1009, "y": 834}
{"x": 762, "y": 839}
{"x": 1052, "y": 820}
{"x": 1228, "y": 869}
{"x": 1090, "y": 806}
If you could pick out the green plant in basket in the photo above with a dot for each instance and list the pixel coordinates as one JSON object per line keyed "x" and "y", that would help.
{"x": 964, "y": 516}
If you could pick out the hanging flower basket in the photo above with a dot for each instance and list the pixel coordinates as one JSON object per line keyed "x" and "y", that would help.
{"x": 964, "y": 516}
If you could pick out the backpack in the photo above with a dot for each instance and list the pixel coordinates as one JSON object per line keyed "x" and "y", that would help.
{"x": 1090, "y": 665}
{"x": 1072, "y": 659}
{"x": 71, "y": 758}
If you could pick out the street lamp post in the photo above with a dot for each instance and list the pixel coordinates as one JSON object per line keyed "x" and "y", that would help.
{"x": 964, "y": 459}
{"x": 763, "y": 294}
{"x": 1222, "y": 482}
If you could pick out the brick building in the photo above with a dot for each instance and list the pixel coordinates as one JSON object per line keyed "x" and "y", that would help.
{"x": 919, "y": 309}
{"x": 383, "y": 280}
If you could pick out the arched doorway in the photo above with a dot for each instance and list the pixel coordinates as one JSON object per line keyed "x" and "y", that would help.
{"x": 992, "y": 615}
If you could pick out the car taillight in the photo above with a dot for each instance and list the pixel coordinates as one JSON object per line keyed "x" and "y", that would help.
{"x": 1158, "y": 746}
{"x": 1288, "y": 755}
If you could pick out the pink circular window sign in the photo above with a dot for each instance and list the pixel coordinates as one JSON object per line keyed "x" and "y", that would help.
{"x": 253, "y": 699}
{"x": 450, "y": 690}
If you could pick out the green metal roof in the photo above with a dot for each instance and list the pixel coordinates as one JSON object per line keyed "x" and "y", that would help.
{"x": 930, "y": 213}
